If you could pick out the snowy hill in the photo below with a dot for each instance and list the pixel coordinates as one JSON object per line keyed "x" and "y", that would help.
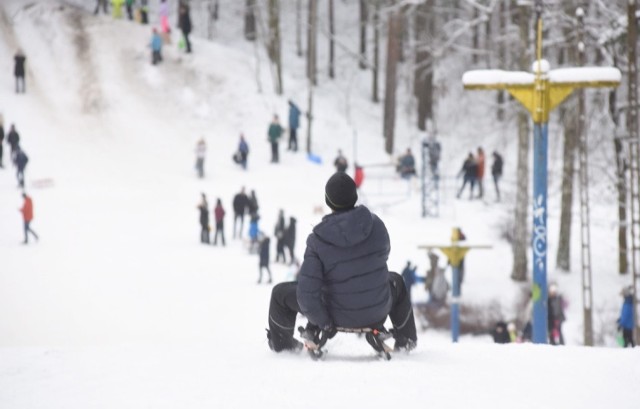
{"x": 119, "y": 305}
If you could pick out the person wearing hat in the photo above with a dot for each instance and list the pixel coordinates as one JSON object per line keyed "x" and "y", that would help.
{"x": 625, "y": 322}
{"x": 343, "y": 280}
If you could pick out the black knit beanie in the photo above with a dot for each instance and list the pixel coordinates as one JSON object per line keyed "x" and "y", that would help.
{"x": 340, "y": 192}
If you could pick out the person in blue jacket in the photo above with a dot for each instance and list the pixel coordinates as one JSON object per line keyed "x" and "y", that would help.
{"x": 343, "y": 280}
{"x": 156, "y": 47}
{"x": 625, "y": 322}
{"x": 294, "y": 123}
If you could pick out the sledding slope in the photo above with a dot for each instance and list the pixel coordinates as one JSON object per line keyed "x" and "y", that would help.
{"x": 119, "y": 305}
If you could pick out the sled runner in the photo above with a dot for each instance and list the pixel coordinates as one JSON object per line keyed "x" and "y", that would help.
{"x": 376, "y": 337}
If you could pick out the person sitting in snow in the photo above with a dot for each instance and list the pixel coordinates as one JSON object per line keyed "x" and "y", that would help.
{"x": 344, "y": 280}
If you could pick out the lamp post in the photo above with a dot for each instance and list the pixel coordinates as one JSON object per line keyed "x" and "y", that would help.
{"x": 540, "y": 93}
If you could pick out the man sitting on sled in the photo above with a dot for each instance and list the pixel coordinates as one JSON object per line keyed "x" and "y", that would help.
{"x": 344, "y": 283}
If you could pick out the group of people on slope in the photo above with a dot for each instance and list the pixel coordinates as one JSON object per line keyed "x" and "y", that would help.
{"x": 473, "y": 170}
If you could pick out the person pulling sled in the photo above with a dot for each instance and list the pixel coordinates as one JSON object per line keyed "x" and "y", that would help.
{"x": 344, "y": 284}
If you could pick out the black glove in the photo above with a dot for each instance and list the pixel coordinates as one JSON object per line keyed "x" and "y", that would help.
{"x": 311, "y": 333}
{"x": 330, "y": 331}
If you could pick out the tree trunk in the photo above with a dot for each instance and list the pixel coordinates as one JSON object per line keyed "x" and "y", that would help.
{"x": 521, "y": 242}
{"x": 331, "y": 42}
{"x": 502, "y": 53}
{"x": 363, "y": 33}
{"x": 274, "y": 43}
{"x": 423, "y": 73}
{"x": 568, "y": 113}
{"x": 475, "y": 37}
{"x": 298, "y": 28}
{"x": 250, "y": 20}
{"x": 311, "y": 42}
{"x": 376, "y": 51}
{"x": 391, "y": 79}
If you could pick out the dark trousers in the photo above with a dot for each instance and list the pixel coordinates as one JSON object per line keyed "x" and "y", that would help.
{"x": 200, "y": 167}
{"x": 284, "y": 307}
{"x": 555, "y": 333}
{"x": 627, "y": 335}
{"x": 1, "y": 152}
{"x": 144, "y": 19}
{"x": 156, "y": 57}
{"x": 293, "y": 140}
{"x": 496, "y": 179}
{"x": 219, "y": 231}
{"x": 238, "y": 217}
{"x": 129, "y": 11}
{"x": 104, "y": 6}
{"x": 186, "y": 41}
{"x": 204, "y": 233}
{"x": 280, "y": 251}
{"x": 291, "y": 257}
{"x": 20, "y": 176}
{"x": 260, "y": 273}
{"x": 27, "y": 230}
{"x": 480, "y": 187}
{"x": 274, "y": 152}
{"x": 20, "y": 85}
{"x": 472, "y": 183}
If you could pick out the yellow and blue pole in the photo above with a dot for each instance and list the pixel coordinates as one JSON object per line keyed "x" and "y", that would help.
{"x": 540, "y": 155}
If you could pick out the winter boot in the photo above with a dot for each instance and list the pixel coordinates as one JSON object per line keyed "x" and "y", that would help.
{"x": 278, "y": 344}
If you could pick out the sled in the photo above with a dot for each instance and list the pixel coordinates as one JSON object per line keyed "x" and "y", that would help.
{"x": 376, "y": 337}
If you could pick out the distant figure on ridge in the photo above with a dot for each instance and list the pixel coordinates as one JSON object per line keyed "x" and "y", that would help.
{"x": 201, "y": 150}
{"x": 496, "y": 172}
{"x": 480, "y": 173}
{"x": 469, "y": 172}
{"x": 19, "y": 71}
{"x": 219, "y": 213}
{"x": 21, "y": 164}
{"x": 340, "y": 162}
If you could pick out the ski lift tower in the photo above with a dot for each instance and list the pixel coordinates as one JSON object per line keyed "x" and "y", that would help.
{"x": 540, "y": 92}
{"x": 430, "y": 176}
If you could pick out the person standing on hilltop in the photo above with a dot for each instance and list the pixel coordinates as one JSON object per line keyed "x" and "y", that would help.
{"x": 275, "y": 133}
{"x": 19, "y": 71}
{"x": 240, "y": 206}
{"x": 294, "y": 123}
{"x": 27, "y": 217}
{"x": 184, "y": 20}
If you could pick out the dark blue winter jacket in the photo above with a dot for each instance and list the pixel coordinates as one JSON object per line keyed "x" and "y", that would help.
{"x": 294, "y": 116}
{"x": 21, "y": 160}
{"x": 344, "y": 280}
{"x": 626, "y": 315}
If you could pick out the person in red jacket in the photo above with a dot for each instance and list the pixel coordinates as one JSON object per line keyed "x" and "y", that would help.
{"x": 359, "y": 176}
{"x": 219, "y": 213}
{"x": 27, "y": 216}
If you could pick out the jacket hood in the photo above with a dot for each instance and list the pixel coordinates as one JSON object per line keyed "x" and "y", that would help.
{"x": 346, "y": 229}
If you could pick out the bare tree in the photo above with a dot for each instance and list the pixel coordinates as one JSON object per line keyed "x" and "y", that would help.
{"x": 331, "y": 40}
{"x": 250, "y": 20}
{"x": 299, "y": 28}
{"x": 376, "y": 51}
{"x": 521, "y": 243}
{"x": 363, "y": 33}
{"x": 391, "y": 78}
{"x": 423, "y": 72}
{"x": 275, "y": 54}
{"x": 312, "y": 29}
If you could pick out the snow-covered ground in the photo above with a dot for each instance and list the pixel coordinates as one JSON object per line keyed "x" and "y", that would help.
{"x": 119, "y": 305}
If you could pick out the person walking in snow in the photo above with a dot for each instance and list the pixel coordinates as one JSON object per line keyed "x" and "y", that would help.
{"x": 240, "y": 208}
{"x": 1, "y": 140}
{"x": 279, "y": 235}
{"x": 144, "y": 11}
{"x": 203, "y": 207}
{"x": 407, "y": 165}
{"x": 275, "y": 133}
{"x": 219, "y": 213}
{"x": 625, "y": 322}
{"x": 13, "y": 138}
{"x": 480, "y": 172}
{"x": 253, "y": 203}
{"x": 555, "y": 307}
{"x": 165, "y": 28}
{"x": 469, "y": 172}
{"x": 340, "y": 162}
{"x": 294, "y": 123}
{"x": 129, "y": 6}
{"x": 254, "y": 231}
{"x": 265, "y": 244}
{"x": 290, "y": 238}
{"x": 242, "y": 153}
{"x": 201, "y": 150}
{"x": 19, "y": 71}
{"x": 27, "y": 217}
{"x": 184, "y": 21}
{"x": 496, "y": 171}
{"x": 21, "y": 163}
{"x": 156, "y": 47}
{"x": 346, "y": 253}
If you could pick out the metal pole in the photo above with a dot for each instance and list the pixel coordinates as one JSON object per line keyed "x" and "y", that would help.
{"x": 539, "y": 244}
{"x": 455, "y": 304}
